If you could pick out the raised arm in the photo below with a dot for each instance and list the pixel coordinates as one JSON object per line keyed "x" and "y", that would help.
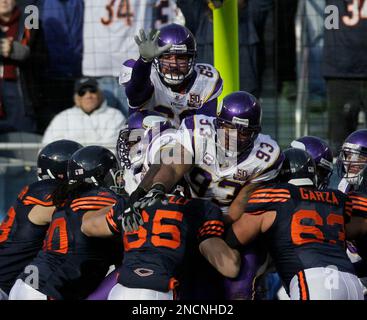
{"x": 140, "y": 89}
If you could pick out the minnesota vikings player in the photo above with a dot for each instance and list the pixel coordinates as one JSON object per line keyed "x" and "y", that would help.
{"x": 140, "y": 143}
{"x": 321, "y": 154}
{"x": 176, "y": 86}
{"x": 226, "y": 157}
{"x": 352, "y": 160}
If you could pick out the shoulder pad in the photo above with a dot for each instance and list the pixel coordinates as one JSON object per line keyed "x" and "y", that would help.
{"x": 38, "y": 193}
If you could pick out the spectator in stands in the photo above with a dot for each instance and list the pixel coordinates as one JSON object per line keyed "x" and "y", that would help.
{"x": 16, "y": 112}
{"x": 90, "y": 121}
{"x": 345, "y": 69}
{"x": 62, "y": 25}
{"x": 108, "y": 37}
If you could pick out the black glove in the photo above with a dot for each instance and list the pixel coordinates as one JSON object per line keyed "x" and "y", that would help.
{"x": 155, "y": 194}
{"x": 131, "y": 218}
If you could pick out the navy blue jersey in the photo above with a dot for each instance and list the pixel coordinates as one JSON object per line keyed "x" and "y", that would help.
{"x": 156, "y": 252}
{"x": 20, "y": 239}
{"x": 359, "y": 200}
{"x": 308, "y": 230}
{"x": 71, "y": 265}
{"x": 345, "y": 47}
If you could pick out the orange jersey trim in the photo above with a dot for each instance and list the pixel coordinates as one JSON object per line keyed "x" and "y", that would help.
{"x": 98, "y": 203}
{"x": 303, "y": 286}
{"x": 272, "y": 191}
{"x": 31, "y": 200}
{"x": 110, "y": 220}
{"x": 359, "y": 208}
{"x": 268, "y": 200}
{"x": 94, "y": 198}
{"x": 88, "y": 207}
{"x": 213, "y": 222}
{"x": 271, "y": 195}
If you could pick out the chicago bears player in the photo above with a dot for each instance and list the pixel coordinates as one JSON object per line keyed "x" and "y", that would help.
{"x": 321, "y": 154}
{"x": 24, "y": 228}
{"x": 154, "y": 255}
{"x": 226, "y": 156}
{"x": 304, "y": 230}
{"x": 71, "y": 265}
{"x": 176, "y": 86}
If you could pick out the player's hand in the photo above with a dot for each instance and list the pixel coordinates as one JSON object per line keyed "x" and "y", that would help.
{"x": 131, "y": 220}
{"x": 148, "y": 45}
{"x": 156, "y": 194}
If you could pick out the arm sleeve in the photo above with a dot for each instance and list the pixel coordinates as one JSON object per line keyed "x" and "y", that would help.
{"x": 211, "y": 225}
{"x": 140, "y": 89}
{"x": 185, "y": 134}
{"x": 38, "y": 195}
{"x": 358, "y": 205}
{"x": 271, "y": 172}
{"x": 266, "y": 199}
{"x": 113, "y": 218}
{"x": 209, "y": 108}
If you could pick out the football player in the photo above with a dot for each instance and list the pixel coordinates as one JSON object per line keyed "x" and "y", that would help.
{"x": 222, "y": 155}
{"x": 139, "y": 145}
{"x": 71, "y": 265}
{"x": 154, "y": 255}
{"x": 24, "y": 228}
{"x": 226, "y": 156}
{"x": 176, "y": 86}
{"x": 352, "y": 160}
{"x": 304, "y": 230}
{"x": 321, "y": 154}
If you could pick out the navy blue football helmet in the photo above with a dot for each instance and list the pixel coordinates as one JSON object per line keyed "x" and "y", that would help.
{"x": 320, "y": 153}
{"x": 53, "y": 159}
{"x": 183, "y": 44}
{"x": 241, "y": 112}
{"x": 96, "y": 165}
{"x": 298, "y": 167}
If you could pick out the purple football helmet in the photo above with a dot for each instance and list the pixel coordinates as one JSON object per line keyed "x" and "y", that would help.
{"x": 353, "y": 156}
{"x": 143, "y": 126}
{"x": 241, "y": 112}
{"x": 321, "y": 154}
{"x": 174, "y": 72}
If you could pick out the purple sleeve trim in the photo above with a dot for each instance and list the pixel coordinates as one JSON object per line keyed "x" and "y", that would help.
{"x": 209, "y": 108}
{"x": 218, "y": 86}
{"x": 276, "y": 164}
{"x": 129, "y": 63}
{"x": 139, "y": 89}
